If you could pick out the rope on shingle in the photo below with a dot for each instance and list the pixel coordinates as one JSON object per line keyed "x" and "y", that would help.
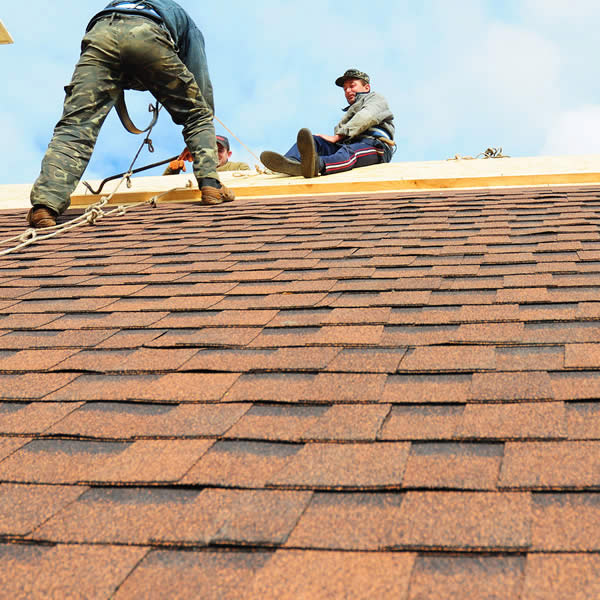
{"x": 92, "y": 213}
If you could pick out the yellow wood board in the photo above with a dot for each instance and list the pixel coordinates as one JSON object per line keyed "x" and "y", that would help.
{"x": 400, "y": 177}
{"x": 5, "y": 37}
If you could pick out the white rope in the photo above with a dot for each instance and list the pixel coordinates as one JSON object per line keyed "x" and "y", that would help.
{"x": 488, "y": 153}
{"x": 92, "y": 213}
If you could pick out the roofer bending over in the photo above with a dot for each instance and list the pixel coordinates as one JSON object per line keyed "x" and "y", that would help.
{"x": 363, "y": 137}
{"x": 151, "y": 45}
{"x": 223, "y": 152}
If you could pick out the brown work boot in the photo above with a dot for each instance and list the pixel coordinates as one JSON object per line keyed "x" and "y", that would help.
{"x": 213, "y": 195}
{"x": 280, "y": 164}
{"x": 41, "y": 217}
{"x": 308, "y": 153}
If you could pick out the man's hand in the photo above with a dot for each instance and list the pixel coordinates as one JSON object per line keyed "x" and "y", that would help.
{"x": 334, "y": 139}
{"x": 178, "y": 164}
{"x": 186, "y": 155}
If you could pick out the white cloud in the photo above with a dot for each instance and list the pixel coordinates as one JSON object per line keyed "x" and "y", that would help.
{"x": 575, "y": 132}
{"x": 561, "y": 12}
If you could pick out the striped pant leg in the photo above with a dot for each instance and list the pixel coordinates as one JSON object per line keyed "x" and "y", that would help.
{"x": 351, "y": 156}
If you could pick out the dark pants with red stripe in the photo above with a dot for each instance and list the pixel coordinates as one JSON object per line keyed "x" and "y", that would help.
{"x": 336, "y": 158}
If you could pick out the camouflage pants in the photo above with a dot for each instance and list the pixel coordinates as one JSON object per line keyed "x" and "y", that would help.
{"x": 113, "y": 52}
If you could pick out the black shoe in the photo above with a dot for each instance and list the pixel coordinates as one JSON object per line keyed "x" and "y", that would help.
{"x": 308, "y": 153}
{"x": 280, "y": 164}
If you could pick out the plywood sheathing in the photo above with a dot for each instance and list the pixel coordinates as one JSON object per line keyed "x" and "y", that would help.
{"x": 433, "y": 175}
{"x": 5, "y": 37}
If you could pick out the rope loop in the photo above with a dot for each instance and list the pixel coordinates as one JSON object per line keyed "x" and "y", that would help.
{"x": 93, "y": 215}
{"x": 28, "y": 235}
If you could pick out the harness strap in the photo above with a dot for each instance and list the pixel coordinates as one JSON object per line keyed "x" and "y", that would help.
{"x": 125, "y": 119}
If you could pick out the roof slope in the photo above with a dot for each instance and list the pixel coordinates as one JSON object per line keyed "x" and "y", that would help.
{"x": 362, "y": 397}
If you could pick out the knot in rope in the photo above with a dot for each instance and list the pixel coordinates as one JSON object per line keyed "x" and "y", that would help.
{"x": 93, "y": 214}
{"x": 488, "y": 153}
{"x": 28, "y": 235}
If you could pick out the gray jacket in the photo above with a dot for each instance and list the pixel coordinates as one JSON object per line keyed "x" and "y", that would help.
{"x": 370, "y": 110}
{"x": 187, "y": 38}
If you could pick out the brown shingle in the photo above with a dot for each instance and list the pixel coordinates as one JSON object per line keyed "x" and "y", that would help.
{"x": 274, "y": 422}
{"x": 70, "y": 305}
{"x": 349, "y": 422}
{"x": 207, "y": 336}
{"x": 346, "y": 316}
{"x": 32, "y": 572}
{"x": 298, "y": 574}
{"x": 25, "y": 507}
{"x": 453, "y": 465}
{"x": 343, "y": 521}
{"x": 540, "y": 465}
{"x": 487, "y": 333}
{"x": 351, "y": 335}
{"x": 223, "y": 318}
{"x": 561, "y": 576}
{"x": 345, "y": 466}
{"x": 33, "y": 386}
{"x": 530, "y": 358}
{"x": 21, "y": 340}
{"x": 422, "y": 422}
{"x": 449, "y": 358}
{"x": 173, "y": 387}
{"x": 513, "y": 421}
{"x": 10, "y": 445}
{"x": 347, "y": 387}
{"x": 133, "y": 515}
{"x": 32, "y": 418}
{"x": 73, "y": 461}
{"x": 427, "y": 388}
{"x": 269, "y": 359}
{"x": 120, "y": 420}
{"x": 144, "y": 359}
{"x": 189, "y": 517}
{"x": 583, "y": 420}
{"x": 437, "y": 577}
{"x": 105, "y": 320}
{"x": 367, "y": 360}
{"x": 566, "y": 522}
{"x": 240, "y": 464}
{"x": 464, "y": 521}
{"x": 511, "y": 386}
{"x": 581, "y": 356}
{"x": 208, "y": 575}
{"x": 32, "y": 360}
{"x": 268, "y": 387}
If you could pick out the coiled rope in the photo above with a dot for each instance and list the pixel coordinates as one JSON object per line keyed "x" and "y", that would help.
{"x": 488, "y": 153}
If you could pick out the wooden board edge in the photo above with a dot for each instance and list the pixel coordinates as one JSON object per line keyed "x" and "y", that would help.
{"x": 323, "y": 188}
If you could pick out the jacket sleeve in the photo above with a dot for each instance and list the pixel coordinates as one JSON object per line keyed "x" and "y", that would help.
{"x": 374, "y": 110}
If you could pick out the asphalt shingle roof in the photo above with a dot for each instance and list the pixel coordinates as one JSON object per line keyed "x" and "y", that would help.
{"x": 367, "y": 396}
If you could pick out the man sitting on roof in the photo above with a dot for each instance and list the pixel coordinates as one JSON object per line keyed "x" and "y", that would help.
{"x": 363, "y": 137}
{"x": 147, "y": 45}
{"x": 223, "y": 153}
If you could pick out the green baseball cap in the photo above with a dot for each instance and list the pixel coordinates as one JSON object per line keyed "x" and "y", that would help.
{"x": 351, "y": 74}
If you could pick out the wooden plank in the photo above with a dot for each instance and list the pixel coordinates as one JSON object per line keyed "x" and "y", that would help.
{"x": 5, "y": 37}
{"x": 187, "y": 194}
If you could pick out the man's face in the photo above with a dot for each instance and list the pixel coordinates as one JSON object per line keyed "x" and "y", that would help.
{"x": 353, "y": 87}
{"x": 223, "y": 154}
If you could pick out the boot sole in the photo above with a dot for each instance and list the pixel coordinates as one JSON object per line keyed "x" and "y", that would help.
{"x": 308, "y": 152}
{"x": 280, "y": 164}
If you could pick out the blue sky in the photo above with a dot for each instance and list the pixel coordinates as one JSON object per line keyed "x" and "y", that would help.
{"x": 459, "y": 76}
